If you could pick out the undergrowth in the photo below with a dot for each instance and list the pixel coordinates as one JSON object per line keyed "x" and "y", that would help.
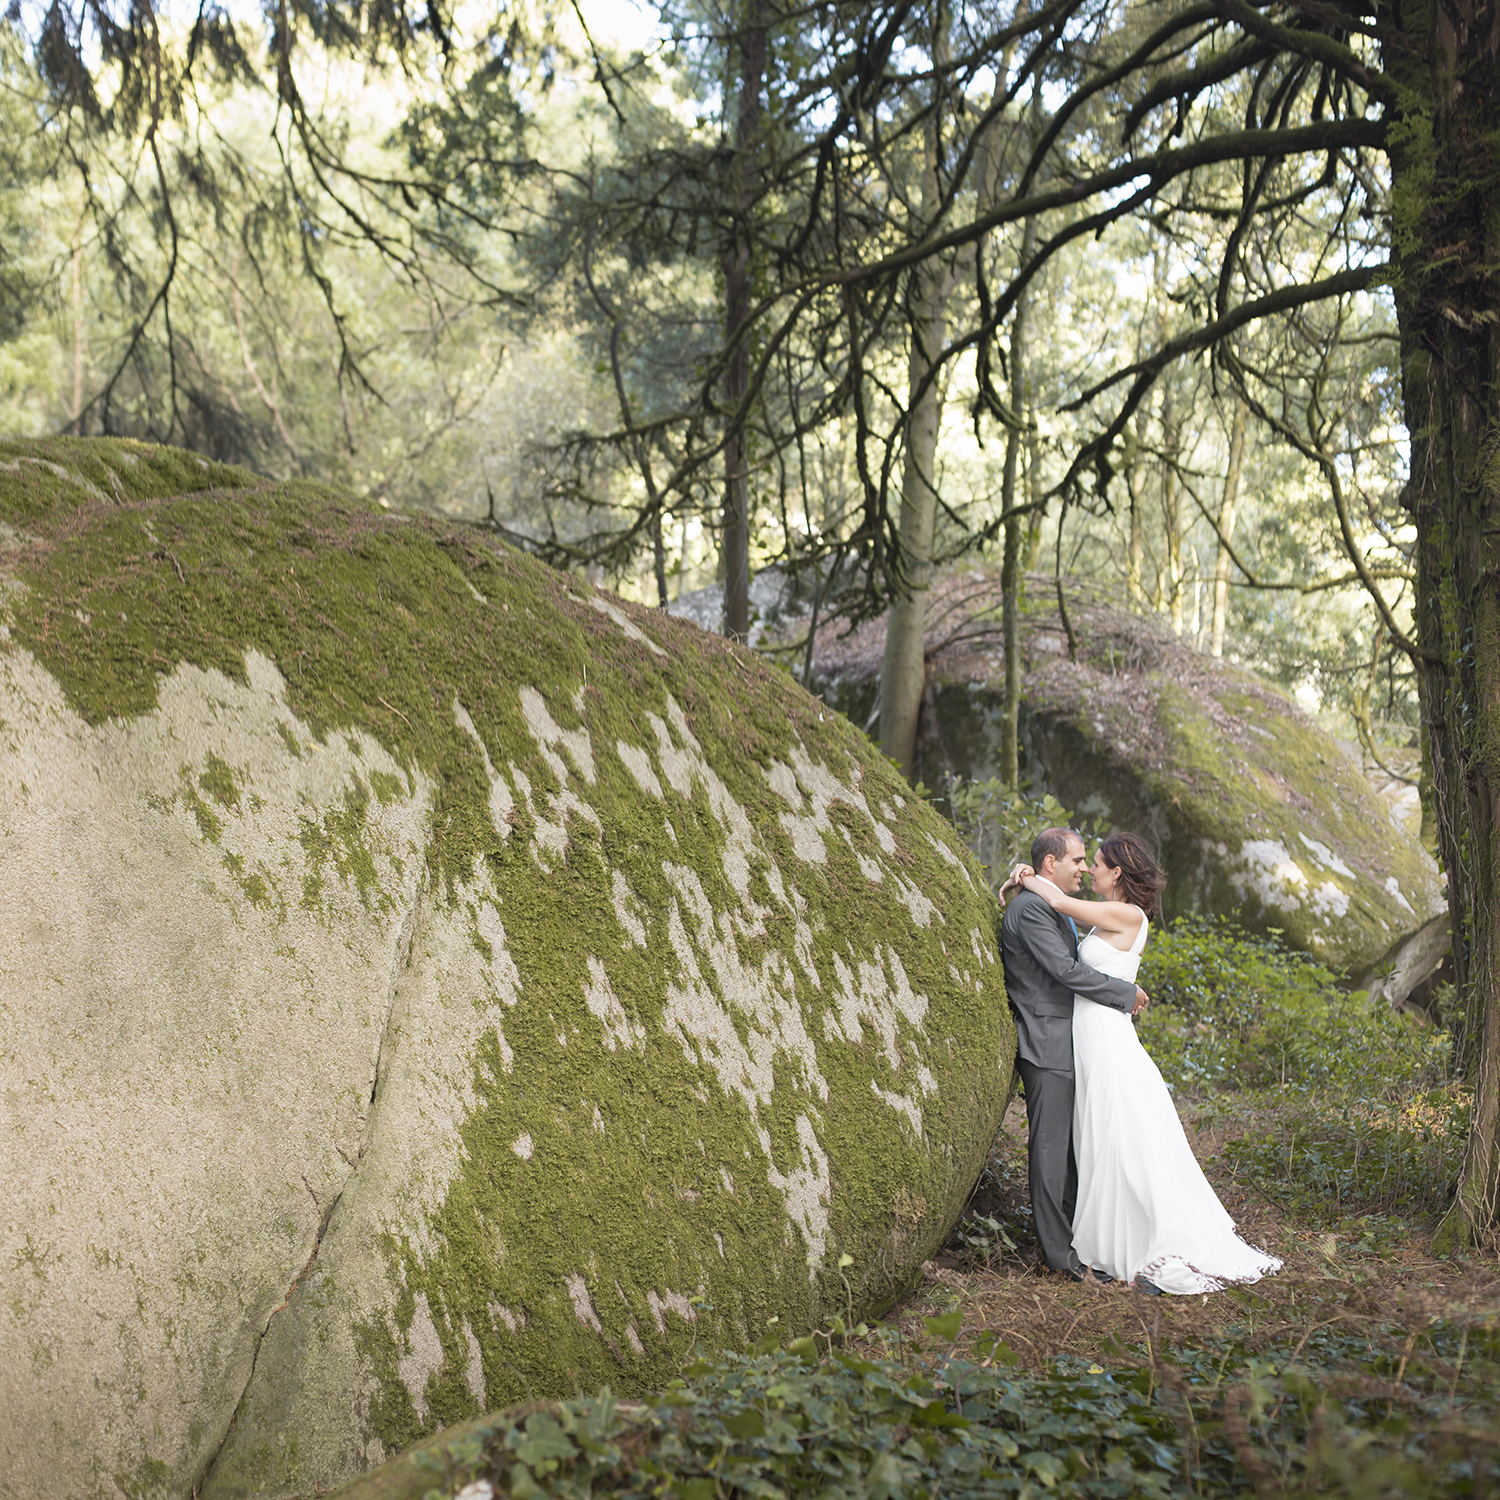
{"x": 945, "y": 1415}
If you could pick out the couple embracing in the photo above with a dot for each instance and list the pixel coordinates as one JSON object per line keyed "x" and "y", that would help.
{"x": 1116, "y": 1192}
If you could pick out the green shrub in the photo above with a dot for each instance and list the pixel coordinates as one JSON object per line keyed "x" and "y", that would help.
{"x": 1365, "y": 1113}
{"x": 998, "y": 823}
{"x": 1237, "y": 1009}
{"x": 1216, "y": 1420}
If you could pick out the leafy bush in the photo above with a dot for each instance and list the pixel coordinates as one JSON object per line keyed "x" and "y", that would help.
{"x": 1365, "y": 1112}
{"x": 1240, "y": 1009}
{"x": 785, "y": 1423}
{"x": 998, "y": 823}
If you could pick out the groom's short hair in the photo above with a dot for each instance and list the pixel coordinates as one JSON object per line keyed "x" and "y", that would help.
{"x": 1053, "y": 842}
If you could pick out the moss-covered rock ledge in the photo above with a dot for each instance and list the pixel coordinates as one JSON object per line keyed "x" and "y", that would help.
{"x": 427, "y": 984}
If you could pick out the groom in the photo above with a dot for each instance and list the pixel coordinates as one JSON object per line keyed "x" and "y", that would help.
{"x": 1039, "y": 948}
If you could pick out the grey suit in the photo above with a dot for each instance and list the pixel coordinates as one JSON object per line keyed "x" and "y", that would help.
{"x": 1042, "y": 974}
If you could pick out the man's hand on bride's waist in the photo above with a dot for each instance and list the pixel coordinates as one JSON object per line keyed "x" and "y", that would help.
{"x": 1142, "y": 1000}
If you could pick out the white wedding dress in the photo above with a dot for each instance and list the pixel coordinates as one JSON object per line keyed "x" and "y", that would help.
{"x": 1144, "y": 1206}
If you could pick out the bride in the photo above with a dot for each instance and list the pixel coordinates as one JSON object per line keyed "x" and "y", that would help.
{"x": 1144, "y": 1210}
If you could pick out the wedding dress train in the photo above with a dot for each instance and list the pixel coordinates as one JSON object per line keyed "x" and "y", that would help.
{"x": 1144, "y": 1206}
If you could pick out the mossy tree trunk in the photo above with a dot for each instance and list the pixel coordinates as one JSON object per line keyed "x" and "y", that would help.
{"x": 1445, "y": 155}
{"x": 903, "y": 671}
{"x": 1426, "y": 793}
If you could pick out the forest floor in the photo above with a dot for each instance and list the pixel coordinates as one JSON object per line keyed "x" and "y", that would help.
{"x": 1361, "y": 1307}
{"x": 1379, "y": 1268}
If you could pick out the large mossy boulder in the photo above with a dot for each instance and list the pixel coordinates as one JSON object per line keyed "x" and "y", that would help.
{"x": 426, "y": 984}
{"x": 1257, "y": 812}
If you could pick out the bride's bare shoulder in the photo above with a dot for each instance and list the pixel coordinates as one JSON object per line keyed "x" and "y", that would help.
{"x": 1119, "y": 917}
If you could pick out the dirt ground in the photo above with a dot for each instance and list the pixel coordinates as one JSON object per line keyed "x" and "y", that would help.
{"x": 1388, "y": 1293}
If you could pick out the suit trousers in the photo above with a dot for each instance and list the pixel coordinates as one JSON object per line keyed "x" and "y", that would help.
{"x": 1052, "y": 1169}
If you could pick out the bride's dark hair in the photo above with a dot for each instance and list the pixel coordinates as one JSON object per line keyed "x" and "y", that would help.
{"x": 1141, "y": 878}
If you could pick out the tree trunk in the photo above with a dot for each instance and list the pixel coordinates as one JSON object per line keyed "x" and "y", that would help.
{"x": 1171, "y": 506}
{"x": 1034, "y": 498}
{"x": 78, "y": 340}
{"x": 1011, "y": 576}
{"x": 735, "y": 541}
{"x": 1425, "y": 793}
{"x": 659, "y": 561}
{"x": 1446, "y": 189}
{"x": 903, "y": 671}
{"x": 1136, "y": 553}
{"x": 1226, "y": 530}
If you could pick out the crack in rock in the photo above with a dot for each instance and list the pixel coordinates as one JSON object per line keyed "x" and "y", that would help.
{"x": 401, "y": 962}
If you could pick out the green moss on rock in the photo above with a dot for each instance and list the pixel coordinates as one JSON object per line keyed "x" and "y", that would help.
{"x": 693, "y": 997}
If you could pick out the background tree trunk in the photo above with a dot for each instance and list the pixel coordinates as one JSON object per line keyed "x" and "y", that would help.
{"x": 1226, "y": 530}
{"x": 1011, "y": 575}
{"x": 735, "y": 541}
{"x": 1134, "y": 479}
{"x": 1034, "y": 495}
{"x": 78, "y": 332}
{"x": 903, "y": 671}
{"x": 1171, "y": 507}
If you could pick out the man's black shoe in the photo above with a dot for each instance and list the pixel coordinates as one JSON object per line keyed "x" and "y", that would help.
{"x": 1088, "y": 1273}
{"x": 1149, "y": 1287}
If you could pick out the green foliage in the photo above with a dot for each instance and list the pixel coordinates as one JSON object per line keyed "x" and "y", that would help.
{"x": 1366, "y": 1113}
{"x": 1219, "y": 1417}
{"x": 1238, "y": 1008}
{"x": 777, "y": 1423}
{"x": 999, "y": 822}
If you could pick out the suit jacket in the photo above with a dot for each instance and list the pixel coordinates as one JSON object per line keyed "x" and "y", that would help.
{"x": 1042, "y": 974}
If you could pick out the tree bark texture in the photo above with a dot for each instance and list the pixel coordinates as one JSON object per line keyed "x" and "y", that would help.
{"x": 903, "y": 671}
{"x": 735, "y": 541}
{"x": 1011, "y": 575}
{"x": 1445, "y": 158}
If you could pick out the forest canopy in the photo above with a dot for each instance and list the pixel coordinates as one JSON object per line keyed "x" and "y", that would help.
{"x": 489, "y": 280}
